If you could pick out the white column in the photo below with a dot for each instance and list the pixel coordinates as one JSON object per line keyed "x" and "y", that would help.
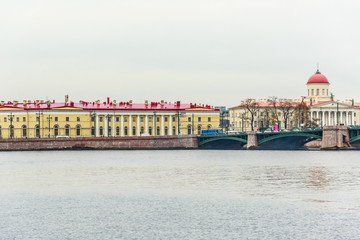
{"x": 341, "y": 118}
{"x": 113, "y": 126}
{"x": 97, "y": 125}
{"x": 322, "y": 117}
{"x": 130, "y": 125}
{"x": 154, "y": 125}
{"x": 122, "y": 125}
{"x": 138, "y": 125}
{"x": 146, "y": 124}
{"x": 335, "y": 118}
{"x": 106, "y": 125}
{"x": 170, "y": 125}
{"x": 162, "y": 125}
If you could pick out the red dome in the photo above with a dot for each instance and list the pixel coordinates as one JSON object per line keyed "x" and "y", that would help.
{"x": 317, "y": 78}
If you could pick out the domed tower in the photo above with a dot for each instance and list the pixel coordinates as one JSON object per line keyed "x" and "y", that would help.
{"x": 318, "y": 88}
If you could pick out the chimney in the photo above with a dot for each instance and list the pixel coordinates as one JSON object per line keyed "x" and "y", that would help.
{"x": 66, "y": 99}
{"x": 146, "y": 102}
{"x": 114, "y": 102}
{"x": 108, "y": 100}
{"x": 16, "y": 102}
{"x": 24, "y": 102}
{"x": 98, "y": 102}
{"x": 131, "y": 102}
{"x": 162, "y": 103}
{"x": 37, "y": 102}
{"x": 2, "y": 102}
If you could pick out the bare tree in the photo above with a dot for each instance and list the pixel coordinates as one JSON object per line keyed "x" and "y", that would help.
{"x": 287, "y": 108}
{"x": 302, "y": 116}
{"x": 274, "y": 109}
{"x": 252, "y": 106}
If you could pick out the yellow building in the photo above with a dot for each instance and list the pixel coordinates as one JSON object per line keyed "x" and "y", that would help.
{"x": 103, "y": 119}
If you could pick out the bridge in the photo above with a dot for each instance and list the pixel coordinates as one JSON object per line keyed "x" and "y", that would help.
{"x": 332, "y": 137}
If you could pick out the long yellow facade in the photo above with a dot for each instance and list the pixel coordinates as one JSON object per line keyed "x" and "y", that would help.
{"x": 83, "y": 123}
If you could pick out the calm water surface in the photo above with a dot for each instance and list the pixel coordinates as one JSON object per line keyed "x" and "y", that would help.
{"x": 180, "y": 195}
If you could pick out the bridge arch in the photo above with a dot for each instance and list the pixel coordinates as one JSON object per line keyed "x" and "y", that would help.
{"x": 213, "y": 139}
{"x": 290, "y": 134}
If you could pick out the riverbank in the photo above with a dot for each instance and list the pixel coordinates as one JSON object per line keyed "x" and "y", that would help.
{"x": 101, "y": 143}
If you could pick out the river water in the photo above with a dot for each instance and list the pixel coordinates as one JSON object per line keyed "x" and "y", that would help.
{"x": 195, "y": 194}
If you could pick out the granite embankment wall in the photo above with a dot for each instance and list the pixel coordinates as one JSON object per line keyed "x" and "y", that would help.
{"x": 101, "y": 143}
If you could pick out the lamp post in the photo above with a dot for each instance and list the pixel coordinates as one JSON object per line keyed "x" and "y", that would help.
{"x": 93, "y": 114}
{"x": 49, "y": 119}
{"x": 178, "y": 122}
{"x": 155, "y": 123}
{"x": 11, "y": 128}
{"x": 38, "y": 117}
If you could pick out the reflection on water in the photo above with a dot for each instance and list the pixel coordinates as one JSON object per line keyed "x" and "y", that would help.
{"x": 143, "y": 192}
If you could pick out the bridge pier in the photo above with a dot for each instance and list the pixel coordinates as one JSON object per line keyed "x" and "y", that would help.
{"x": 335, "y": 137}
{"x": 252, "y": 142}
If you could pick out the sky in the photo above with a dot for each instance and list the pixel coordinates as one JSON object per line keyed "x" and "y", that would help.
{"x": 196, "y": 51}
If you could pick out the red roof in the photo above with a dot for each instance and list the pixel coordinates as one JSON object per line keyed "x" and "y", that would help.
{"x": 317, "y": 78}
{"x": 109, "y": 106}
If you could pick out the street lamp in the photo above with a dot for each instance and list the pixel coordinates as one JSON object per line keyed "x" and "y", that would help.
{"x": 38, "y": 118}
{"x": 11, "y": 128}
{"x": 155, "y": 123}
{"x": 49, "y": 119}
{"x": 93, "y": 114}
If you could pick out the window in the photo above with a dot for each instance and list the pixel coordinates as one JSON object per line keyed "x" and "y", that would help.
{"x": 101, "y": 131}
{"x": 109, "y": 118}
{"x": 174, "y": 131}
{"x": 173, "y": 119}
{"x": 117, "y": 119}
{"x": 37, "y": 131}
{"x": 312, "y": 92}
{"x": 134, "y": 131}
{"x": 5, "y": 119}
{"x": 101, "y": 119}
{"x": 67, "y": 130}
{"x": 56, "y": 119}
{"x": 24, "y": 131}
{"x": 141, "y": 119}
{"x": 157, "y": 119}
{"x": 209, "y": 119}
{"x": 67, "y": 119}
{"x": 109, "y": 132}
{"x": 199, "y": 129}
{"x": 189, "y": 119}
{"x": 78, "y": 119}
{"x": 166, "y": 119}
{"x": 323, "y": 92}
{"x": 262, "y": 114}
{"x": 125, "y": 119}
{"x": 255, "y": 123}
{"x": 134, "y": 119}
{"x": 142, "y": 130}
{"x": 255, "y": 114}
{"x": 11, "y": 131}
{"x": 327, "y": 92}
{"x": 158, "y": 131}
{"x": 24, "y": 119}
{"x": 279, "y": 114}
{"x": 317, "y": 92}
{"x": 166, "y": 131}
{"x": 150, "y": 120}
{"x": 199, "y": 119}
{"x": 125, "y": 131}
{"x": 150, "y": 131}
{"x": 78, "y": 130}
{"x": 56, "y": 130}
{"x": 189, "y": 130}
{"x": 17, "y": 119}
{"x": 93, "y": 131}
{"x": 117, "y": 131}
{"x": 0, "y": 132}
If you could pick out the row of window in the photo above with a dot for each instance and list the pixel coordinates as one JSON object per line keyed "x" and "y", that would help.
{"x": 318, "y": 92}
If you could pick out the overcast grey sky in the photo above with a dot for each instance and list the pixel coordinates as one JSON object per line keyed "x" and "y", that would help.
{"x": 213, "y": 52}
